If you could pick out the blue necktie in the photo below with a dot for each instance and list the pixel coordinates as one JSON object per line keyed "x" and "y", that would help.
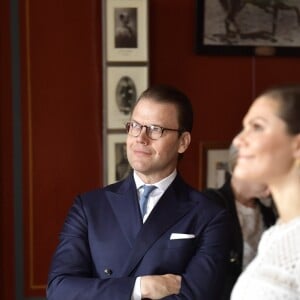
{"x": 145, "y": 197}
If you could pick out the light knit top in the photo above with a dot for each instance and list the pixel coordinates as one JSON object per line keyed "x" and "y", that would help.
{"x": 274, "y": 274}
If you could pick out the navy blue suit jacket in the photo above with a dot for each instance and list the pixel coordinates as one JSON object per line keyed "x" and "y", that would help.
{"x": 104, "y": 245}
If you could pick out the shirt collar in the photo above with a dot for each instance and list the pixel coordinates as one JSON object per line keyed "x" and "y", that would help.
{"x": 161, "y": 185}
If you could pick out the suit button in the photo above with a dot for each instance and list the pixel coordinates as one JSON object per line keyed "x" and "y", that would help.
{"x": 234, "y": 257}
{"x": 108, "y": 272}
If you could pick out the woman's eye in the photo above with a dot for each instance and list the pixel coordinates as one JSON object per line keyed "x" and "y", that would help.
{"x": 257, "y": 126}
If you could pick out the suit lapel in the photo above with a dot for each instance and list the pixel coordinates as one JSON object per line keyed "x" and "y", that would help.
{"x": 172, "y": 206}
{"x": 124, "y": 203}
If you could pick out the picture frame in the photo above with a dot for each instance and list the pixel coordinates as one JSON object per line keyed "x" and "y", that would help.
{"x": 117, "y": 164}
{"x": 213, "y": 163}
{"x": 246, "y": 27}
{"x": 126, "y": 30}
{"x": 124, "y": 85}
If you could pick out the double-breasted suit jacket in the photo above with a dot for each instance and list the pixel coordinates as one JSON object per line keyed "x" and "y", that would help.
{"x": 104, "y": 244}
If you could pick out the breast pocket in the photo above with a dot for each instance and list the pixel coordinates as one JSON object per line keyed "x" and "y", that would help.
{"x": 181, "y": 243}
{"x": 176, "y": 256}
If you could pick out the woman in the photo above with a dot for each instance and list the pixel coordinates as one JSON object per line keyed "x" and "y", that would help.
{"x": 252, "y": 211}
{"x": 269, "y": 152}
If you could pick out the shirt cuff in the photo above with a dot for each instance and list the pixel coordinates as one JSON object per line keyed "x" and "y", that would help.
{"x": 136, "y": 293}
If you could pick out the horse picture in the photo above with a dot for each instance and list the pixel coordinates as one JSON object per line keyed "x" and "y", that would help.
{"x": 252, "y": 22}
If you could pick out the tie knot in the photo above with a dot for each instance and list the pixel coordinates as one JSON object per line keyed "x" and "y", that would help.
{"x": 147, "y": 190}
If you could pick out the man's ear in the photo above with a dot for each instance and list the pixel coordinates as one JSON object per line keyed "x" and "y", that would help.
{"x": 184, "y": 142}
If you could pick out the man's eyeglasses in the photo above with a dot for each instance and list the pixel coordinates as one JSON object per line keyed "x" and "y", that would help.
{"x": 154, "y": 132}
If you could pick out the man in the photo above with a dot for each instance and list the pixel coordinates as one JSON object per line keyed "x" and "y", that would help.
{"x": 252, "y": 211}
{"x": 178, "y": 250}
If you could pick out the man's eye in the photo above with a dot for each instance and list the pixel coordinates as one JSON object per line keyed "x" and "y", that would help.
{"x": 155, "y": 129}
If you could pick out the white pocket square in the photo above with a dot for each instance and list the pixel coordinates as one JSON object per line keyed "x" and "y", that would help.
{"x": 178, "y": 236}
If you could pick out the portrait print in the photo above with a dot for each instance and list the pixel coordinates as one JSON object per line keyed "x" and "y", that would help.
{"x": 125, "y": 94}
{"x": 126, "y": 30}
{"x": 122, "y": 165}
{"x": 116, "y": 165}
{"x": 125, "y": 27}
{"x": 124, "y": 84}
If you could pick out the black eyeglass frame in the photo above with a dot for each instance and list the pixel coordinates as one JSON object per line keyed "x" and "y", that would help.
{"x": 149, "y": 129}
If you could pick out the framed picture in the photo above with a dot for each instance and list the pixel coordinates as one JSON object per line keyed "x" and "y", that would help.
{"x": 117, "y": 163}
{"x": 235, "y": 27}
{"x": 127, "y": 30}
{"x": 124, "y": 85}
{"x": 214, "y": 158}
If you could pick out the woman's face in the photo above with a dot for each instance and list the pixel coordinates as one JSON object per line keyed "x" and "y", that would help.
{"x": 266, "y": 150}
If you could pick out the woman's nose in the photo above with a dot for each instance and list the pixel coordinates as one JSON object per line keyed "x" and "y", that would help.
{"x": 238, "y": 139}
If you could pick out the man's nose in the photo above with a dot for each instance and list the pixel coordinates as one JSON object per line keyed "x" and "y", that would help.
{"x": 143, "y": 134}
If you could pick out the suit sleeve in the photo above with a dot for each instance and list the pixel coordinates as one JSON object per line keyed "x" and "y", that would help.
{"x": 72, "y": 275}
{"x": 205, "y": 273}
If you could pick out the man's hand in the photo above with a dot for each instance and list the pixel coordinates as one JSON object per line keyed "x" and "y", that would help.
{"x": 160, "y": 286}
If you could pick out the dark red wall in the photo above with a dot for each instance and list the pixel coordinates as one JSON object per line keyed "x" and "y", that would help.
{"x": 221, "y": 88}
{"x": 61, "y": 90}
{"x": 62, "y": 121}
{"x": 6, "y": 162}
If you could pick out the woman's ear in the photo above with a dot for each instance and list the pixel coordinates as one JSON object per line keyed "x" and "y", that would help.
{"x": 297, "y": 147}
{"x": 184, "y": 142}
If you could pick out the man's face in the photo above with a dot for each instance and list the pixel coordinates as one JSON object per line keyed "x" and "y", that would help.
{"x": 154, "y": 160}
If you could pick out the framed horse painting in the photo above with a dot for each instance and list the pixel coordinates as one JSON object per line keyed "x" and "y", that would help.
{"x": 248, "y": 27}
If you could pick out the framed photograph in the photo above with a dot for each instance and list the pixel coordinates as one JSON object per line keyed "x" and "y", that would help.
{"x": 124, "y": 85}
{"x": 117, "y": 164}
{"x": 214, "y": 158}
{"x": 247, "y": 27}
{"x": 127, "y": 30}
